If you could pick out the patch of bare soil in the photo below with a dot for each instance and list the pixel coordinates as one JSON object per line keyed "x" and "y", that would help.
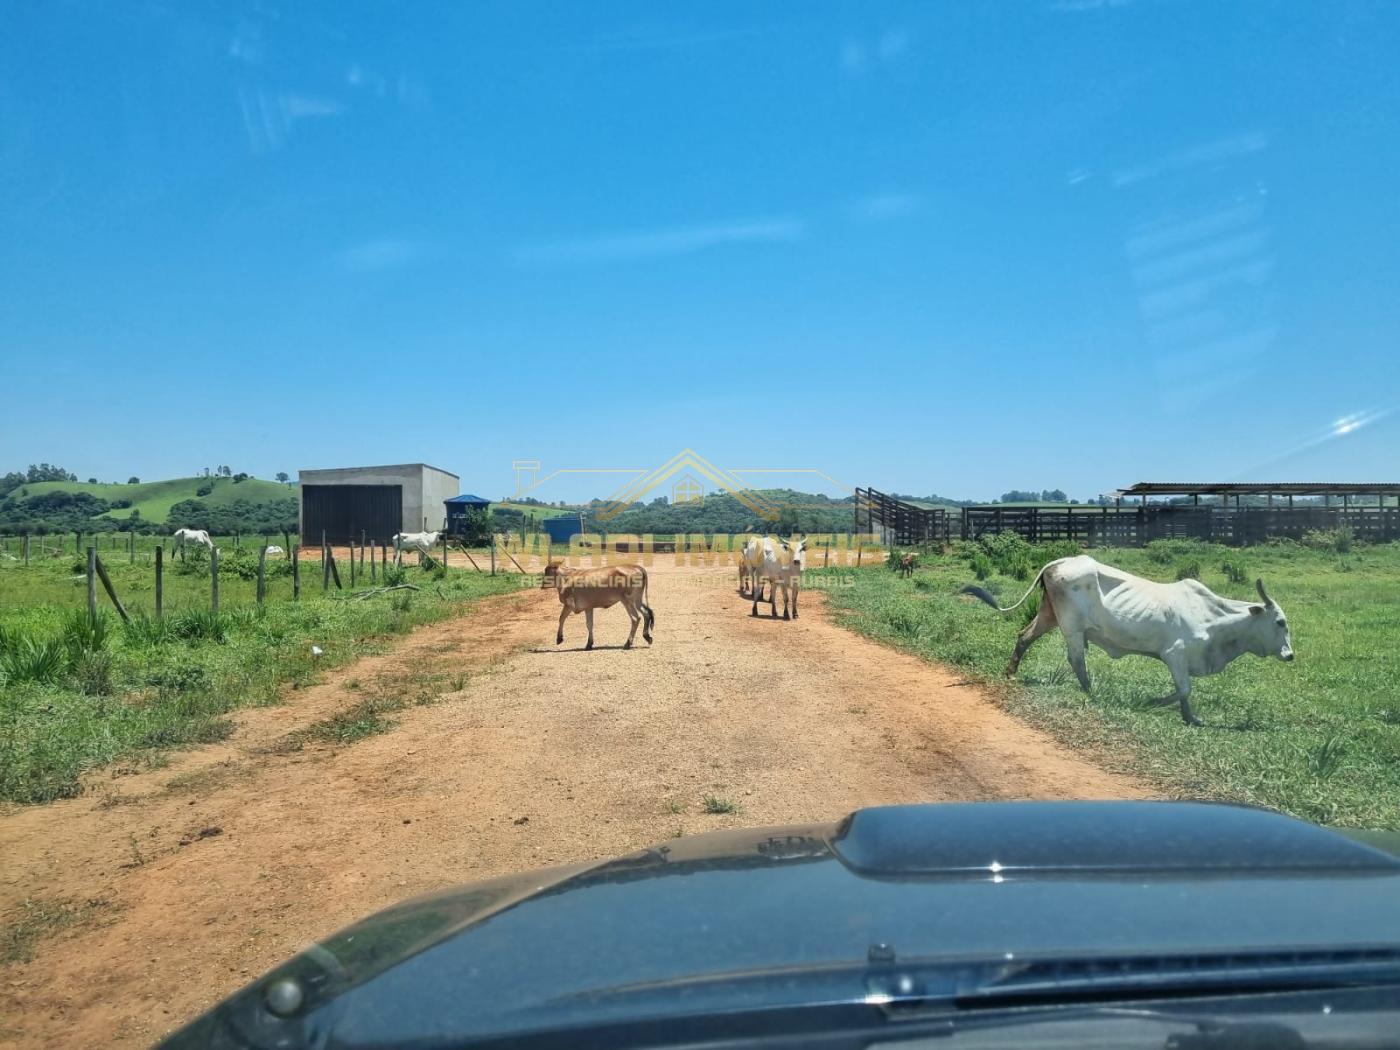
{"x": 216, "y": 868}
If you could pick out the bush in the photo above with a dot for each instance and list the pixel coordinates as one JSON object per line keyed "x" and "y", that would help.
{"x": 1335, "y": 541}
{"x": 1010, "y": 554}
{"x": 27, "y": 659}
{"x": 981, "y": 566}
{"x": 1055, "y": 550}
{"x": 1234, "y": 571}
{"x": 1188, "y": 570}
{"x": 199, "y": 625}
{"x": 204, "y": 489}
{"x": 1164, "y": 552}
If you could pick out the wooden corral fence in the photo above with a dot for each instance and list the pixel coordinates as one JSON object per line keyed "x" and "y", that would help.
{"x": 905, "y": 524}
{"x": 897, "y": 522}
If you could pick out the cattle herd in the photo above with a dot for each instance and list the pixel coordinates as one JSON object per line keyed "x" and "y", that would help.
{"x": 1191, "y": 629}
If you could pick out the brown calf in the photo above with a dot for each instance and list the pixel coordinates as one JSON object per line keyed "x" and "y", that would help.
{"x": 583, "y": 590}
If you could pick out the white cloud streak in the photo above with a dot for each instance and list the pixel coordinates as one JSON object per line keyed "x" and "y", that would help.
{"x": 653, "y": 244}
{"x": 387, "y": 253}
{"x": 886, "y": 206}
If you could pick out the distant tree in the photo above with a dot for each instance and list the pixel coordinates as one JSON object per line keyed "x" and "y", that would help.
{"x": 133, "y": 480}
{"x": 11, "y": 481}
{"x": 48, "y": 472}
{"x": 283, "y": 476}
{"x": 226, "y": 471}
{"x": 92, "y": 481}
{"x": 1053, "y": 495}
{"x": 1020, "y": 496}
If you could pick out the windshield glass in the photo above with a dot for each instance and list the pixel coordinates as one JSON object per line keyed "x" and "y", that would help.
{"x": 450, "y": 441}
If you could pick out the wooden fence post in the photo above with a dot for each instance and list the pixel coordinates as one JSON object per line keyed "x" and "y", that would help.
{"x": 111, "y": 591}
{"x": 26, "y": 548}
{"x": 373, "y": 573}
{"x": 352, "y": 560}
{"x": 493, "y": 555}
{"x": 92, "y": 581}
{"x": 444, "y": 550}
{"x": 325, "y": 567}
{"x": 262, "y": 561}
{"x": 214, "y": 578}
{"x": 296, "y": 573}
{"x": 160, "y": 581}
{"x": 335, "y": 572}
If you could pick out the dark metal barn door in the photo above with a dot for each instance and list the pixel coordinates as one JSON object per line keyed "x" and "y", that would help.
{"x": 343, "y": 512}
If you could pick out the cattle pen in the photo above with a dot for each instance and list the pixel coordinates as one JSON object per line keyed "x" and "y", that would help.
{"x": 1278, "y": 510}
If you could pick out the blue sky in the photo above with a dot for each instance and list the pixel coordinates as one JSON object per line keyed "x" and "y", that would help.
{"x": 951, "y": 248}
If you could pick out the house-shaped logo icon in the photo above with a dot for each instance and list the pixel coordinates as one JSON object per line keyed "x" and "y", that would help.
{"x": 687, "y": 467}
{"x": 687, "y": 490}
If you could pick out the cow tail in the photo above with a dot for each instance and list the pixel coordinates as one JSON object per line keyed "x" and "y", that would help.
{"x": 979, "y": 593}
{"x": 646, "y": 609}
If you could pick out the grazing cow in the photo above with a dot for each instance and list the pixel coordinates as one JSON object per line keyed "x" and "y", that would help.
{"x": 781, "y": 566}
{"x": 186, "y": 536}
{"x": 583, "y": 590}
{"x": 907, "y": 562}
{"x": 274, "y": 549}
{"x": 422, "y": 542}
{"x": 1192, "y": 630}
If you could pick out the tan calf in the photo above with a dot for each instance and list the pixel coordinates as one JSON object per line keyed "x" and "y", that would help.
{"x": 583, "y": 590}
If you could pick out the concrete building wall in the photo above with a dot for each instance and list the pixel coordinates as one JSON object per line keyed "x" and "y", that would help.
{"x": 438, "y": 485}
{"x": 424, "y": 488}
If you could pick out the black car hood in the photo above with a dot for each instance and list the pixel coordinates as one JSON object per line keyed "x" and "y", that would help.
{"x": 952, "y": 881}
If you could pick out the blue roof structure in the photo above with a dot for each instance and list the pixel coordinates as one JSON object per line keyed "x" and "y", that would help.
{"x": 467, "y": 497}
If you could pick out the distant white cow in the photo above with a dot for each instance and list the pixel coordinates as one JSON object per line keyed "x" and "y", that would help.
{"x": 274, "y": 549}
{"x": 187, "y": 536}
{"x": 1191, "y": 629}
{"x": 780, "y": 563}
{"x": 422, "y": 542}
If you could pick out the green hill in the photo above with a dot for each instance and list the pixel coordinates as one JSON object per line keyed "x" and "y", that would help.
{"x": 155, "y": 498}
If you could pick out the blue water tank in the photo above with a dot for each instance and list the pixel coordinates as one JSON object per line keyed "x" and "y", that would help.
{"x": 563, "y": 528}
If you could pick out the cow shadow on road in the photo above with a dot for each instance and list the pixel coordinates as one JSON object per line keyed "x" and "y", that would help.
{"x": 575, "y": 649}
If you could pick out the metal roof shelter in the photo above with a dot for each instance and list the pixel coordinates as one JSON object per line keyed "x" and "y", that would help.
{"x": 1269, "y": 489}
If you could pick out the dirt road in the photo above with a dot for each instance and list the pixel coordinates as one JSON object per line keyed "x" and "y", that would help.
{"x": 188, "y": 881}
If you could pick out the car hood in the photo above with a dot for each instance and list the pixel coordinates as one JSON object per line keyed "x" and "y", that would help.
{"x": 1022, "y": 880}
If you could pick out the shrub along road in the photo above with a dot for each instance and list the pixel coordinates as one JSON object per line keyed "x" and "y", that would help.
{"x": 475, "y": 747}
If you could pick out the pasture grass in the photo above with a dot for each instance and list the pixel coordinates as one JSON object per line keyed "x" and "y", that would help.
{"x": 36, "y": 919}
{"x": 715, "y": 805}
{"x": 75, "y": 694}
{"x": 1318, "y": 738}
{"x": 155, "y": 498}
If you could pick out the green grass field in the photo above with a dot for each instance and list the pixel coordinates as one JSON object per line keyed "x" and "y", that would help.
{"x": 74, "y": 695}
{"x": 1319, "y": 738}
{"x": 154, "y": 499}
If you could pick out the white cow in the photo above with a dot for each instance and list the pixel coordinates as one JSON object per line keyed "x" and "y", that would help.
{"x": 1187, "y": 626}
{"x": 187, "y": 536}
{"x": 274, "y": 549}
{"x": 780, "y": 563}
{"x": 422, "y": 542}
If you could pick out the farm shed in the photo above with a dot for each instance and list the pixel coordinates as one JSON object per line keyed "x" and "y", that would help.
{"x": 563, "y": 528}
{"x": 457, "y": 509}
{"x": 345, "y": 502}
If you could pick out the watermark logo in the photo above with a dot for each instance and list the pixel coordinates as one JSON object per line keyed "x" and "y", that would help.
{"x": 687, "y": 490}
{"x": 688, "y": 461}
